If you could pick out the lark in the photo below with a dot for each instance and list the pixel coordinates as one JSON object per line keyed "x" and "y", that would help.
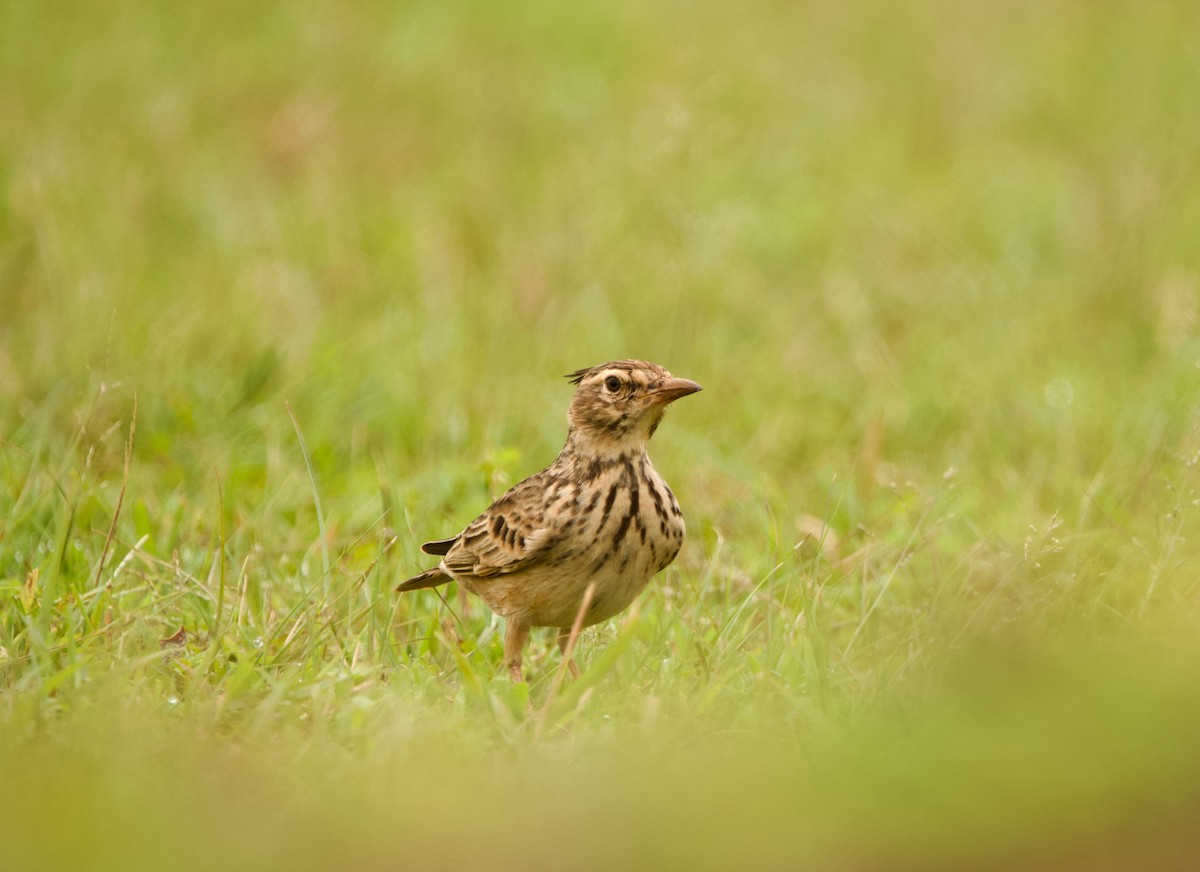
{"x": 599, "y": 515}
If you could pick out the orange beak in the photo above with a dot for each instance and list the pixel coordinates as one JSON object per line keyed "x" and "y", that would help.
{"x": 674, "y": 388}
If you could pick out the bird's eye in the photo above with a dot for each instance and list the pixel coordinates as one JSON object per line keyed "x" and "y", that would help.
{"x": 613, "y": 384}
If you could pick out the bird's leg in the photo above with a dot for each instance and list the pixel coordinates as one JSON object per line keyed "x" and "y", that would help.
{"x": 564, "y": 639}
{"x": 516, "y": 634}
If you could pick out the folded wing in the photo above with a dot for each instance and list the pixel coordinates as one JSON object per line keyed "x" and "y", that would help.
{"x": 501, "y": 540}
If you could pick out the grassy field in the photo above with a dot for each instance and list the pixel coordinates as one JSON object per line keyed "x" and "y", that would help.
{"x": 287, "y": 289}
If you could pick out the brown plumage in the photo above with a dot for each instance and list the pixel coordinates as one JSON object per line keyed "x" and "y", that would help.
{"x": 599, "y": 513}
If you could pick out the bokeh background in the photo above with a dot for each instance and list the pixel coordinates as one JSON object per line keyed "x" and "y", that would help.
{"x": 286, "y": 289}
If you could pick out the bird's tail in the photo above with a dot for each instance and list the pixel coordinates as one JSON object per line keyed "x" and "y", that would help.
{"x": 428, "y": 578}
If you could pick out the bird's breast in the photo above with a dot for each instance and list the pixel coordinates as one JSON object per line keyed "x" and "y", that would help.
{"x": 616, "y": 528}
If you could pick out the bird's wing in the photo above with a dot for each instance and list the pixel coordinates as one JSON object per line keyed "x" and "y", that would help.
{"x": 439, "y": 546}
{"x": 509, "y": 536}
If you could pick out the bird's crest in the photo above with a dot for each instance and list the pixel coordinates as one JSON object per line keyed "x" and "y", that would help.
{"x": 625, "y": 365}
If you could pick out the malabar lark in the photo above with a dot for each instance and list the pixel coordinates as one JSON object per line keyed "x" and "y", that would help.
{"x": 600, "y": 515}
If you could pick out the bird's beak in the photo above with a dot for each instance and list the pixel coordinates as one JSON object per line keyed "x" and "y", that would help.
{"x": 674, "y": 388}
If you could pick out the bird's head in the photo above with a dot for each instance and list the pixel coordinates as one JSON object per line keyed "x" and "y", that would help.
{"x": 618, "y": 405}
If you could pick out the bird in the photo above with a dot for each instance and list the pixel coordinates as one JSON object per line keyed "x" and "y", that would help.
{"x": 600, "y": 515}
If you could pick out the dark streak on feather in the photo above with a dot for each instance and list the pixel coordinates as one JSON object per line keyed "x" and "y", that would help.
{"x": 621, "y": 530}
{"x": 608, "y": 504}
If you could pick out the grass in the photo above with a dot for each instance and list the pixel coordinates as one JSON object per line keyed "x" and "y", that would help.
{"x": 287, "y": 290}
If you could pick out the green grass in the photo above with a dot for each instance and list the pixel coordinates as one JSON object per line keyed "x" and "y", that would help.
{"x": 287, "y": 289}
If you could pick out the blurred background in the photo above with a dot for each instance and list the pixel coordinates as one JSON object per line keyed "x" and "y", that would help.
{"x": 936, "y": 265}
